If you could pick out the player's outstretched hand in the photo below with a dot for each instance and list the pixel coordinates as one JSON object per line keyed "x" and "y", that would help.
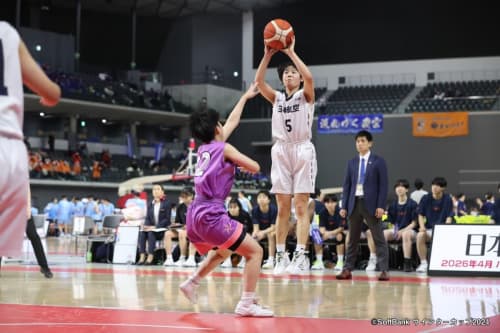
{"x": 252, "y": 91}
{"x": 242, "y": 169}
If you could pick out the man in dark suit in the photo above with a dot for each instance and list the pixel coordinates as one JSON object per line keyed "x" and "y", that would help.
{"x": 364, "y": 198}
{"x": 158, "y": 216}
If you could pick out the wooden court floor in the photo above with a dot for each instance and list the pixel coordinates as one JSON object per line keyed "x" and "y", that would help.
{"x": 86, "y": 297}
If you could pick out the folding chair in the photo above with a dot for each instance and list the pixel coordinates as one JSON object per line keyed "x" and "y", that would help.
{"x": 109, "y": 222}
{"x": 80, "y": 228}
{"x": 39, "y": 220}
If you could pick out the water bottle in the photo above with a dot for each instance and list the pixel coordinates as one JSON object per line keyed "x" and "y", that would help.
{"x": 89, "y": 256}
{"x": 316, "y": 235}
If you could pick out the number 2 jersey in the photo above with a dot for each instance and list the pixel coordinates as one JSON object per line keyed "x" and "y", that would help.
{"x": 11, "y": 84}
{"x": 214, "y": 176}
{"x": 292, "y": 118}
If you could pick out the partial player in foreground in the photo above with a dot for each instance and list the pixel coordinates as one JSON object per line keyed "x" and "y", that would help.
{"x": 17, "y": 66}
{"x": 208, "y": 225}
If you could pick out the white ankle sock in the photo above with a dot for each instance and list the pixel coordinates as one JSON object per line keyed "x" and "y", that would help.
{"x": 248, "y": 297}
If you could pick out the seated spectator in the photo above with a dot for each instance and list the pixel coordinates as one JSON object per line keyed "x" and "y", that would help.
{"x": 158, "y": 216}
{"x": 133, "y": 170}
{"x": 402, "y": 213}
{"x": 461, "y": 208}
{"x": 419, "y": 191}
{"x": 178, "y": 229}
{"x": 495, "y": 215}
{"x": 96, "y": 171}
{"x": 47, "y": 170}
{"x": 264, "y": 220}
{"x": 245, "y": 203}
{"x": 236, "y": 212}
{"x": 434, "y": 208}
{"x": 487, "y": 207}
{"x": 50, "y": 212}
{"x": 331, "y": 227}
{"x": 106, "y": 158}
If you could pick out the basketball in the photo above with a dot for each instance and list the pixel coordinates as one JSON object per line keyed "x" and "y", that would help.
{"x": 278, "y": 34}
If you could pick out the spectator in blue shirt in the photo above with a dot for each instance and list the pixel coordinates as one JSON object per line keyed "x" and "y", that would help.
{"x": 461, "y": 207}
{"x": 487, "y": 207}
{"x": 79, "y": 207}
{"x": 402, "y": 213}
{"x": 90, "y": 207}
{"x": 331, "y": 226}
{"x": 264, "y": 220}
{"x": 434, "y": 208}
{"x": 51, "y": 210}
{"x": 318, "y": 204}
{"x": 64, "y": 214}
{"x": 106, "y": 207}
{"x": 495, "y": 215}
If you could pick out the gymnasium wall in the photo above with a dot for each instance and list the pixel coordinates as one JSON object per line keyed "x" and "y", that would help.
{"x": 343, "y": 32}
{"x": 197, "y": 42}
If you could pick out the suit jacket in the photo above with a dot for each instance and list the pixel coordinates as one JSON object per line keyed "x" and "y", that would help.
{"x": 375, "y": 186}
{"x": 163, "y": 214}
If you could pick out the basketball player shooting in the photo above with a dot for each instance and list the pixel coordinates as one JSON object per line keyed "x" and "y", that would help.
{"x": 16, "y": 66}
{"x": 293, "y": 156}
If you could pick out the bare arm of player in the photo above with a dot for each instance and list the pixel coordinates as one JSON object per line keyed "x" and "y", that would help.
{"x": 303, "y": 70}
{"x": 36, "y": 79}
{"x": 265, "y": 89}
{"x": 234, "y": 118}
{"x": 241, "y": 160}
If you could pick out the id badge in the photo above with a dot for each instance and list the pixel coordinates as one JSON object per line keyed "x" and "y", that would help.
{"x": 359, "y": 188}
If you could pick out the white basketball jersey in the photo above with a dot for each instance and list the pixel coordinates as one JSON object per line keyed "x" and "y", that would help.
{"x": 292, "y": 118}
{"x": 11, "y": 83}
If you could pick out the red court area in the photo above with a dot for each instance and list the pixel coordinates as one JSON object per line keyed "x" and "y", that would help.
{"x": 55, "y": 319}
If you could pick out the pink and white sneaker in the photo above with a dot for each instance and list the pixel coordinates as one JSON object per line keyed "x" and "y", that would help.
{"x": 189, "y": 289}
{"x": 252, "y": 310}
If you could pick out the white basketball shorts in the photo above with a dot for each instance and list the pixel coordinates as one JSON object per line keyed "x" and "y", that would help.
{"x": 14, "y": 185}
{"x": 294, "y": 167}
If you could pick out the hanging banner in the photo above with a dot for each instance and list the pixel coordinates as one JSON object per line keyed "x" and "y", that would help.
{"x": 130, "y": 146}
{"x": 440, "y": 124}
{"x": 341, "y": 124}
{"x": 158, "y": 150}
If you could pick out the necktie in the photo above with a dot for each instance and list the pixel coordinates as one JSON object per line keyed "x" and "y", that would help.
{"x": 362, "y": 172}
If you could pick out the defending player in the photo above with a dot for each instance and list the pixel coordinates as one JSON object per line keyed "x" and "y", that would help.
{"x": 208, "y": 224}
{"x": 294, "y": 166}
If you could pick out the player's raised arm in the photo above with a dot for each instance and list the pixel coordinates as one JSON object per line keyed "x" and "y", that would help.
{"x": 303, "y": 70}
{"x": 35, "y": 78}
{"x": 265, "y": 89}
{"x": 241, "y": 160}
{"x": 234, "y": 117}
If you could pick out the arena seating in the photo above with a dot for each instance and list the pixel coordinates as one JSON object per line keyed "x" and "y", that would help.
{"x": 366, "y": 99}
{"x": 103, "y": 88}
{"x": 456, "y": 96}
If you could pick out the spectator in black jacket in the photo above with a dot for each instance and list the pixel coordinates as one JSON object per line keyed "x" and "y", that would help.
{"x": 158, "y": 216}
